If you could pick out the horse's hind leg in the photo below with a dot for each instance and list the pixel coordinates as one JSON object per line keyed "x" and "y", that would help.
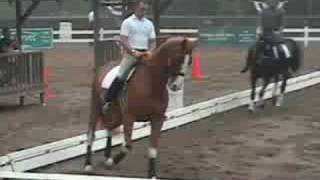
{"x": 112, "y": 124}
{"x": 90, "y": 137}
{"x": 156, "y": 125}
{"x": 280, "y": 99}
{"x": 128, "y": 122}
{"x": 253, "y": 80}
{"x": 266, "y": 82}
{"x": 275, "y": 89}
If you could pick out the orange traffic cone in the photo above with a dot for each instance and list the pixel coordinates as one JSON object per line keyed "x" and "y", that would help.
{"x": 49, "y": 94}
{"x": 196, "y": 68}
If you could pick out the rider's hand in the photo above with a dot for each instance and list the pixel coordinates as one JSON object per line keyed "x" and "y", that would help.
{"x": 136, "y": 54}
{"x": 146, "y": 55}
{"x": 142, "y": 55}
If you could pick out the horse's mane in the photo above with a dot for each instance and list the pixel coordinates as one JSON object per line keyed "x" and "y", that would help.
{"x": 167, "y": 44}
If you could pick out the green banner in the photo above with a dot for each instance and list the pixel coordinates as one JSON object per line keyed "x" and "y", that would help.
{"x": 37, "y": 38}
{"x": 220, "y": 36}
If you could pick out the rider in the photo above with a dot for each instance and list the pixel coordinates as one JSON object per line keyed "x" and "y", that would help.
{"x": 138, "y": 34}
{"x": 270, "y": 27}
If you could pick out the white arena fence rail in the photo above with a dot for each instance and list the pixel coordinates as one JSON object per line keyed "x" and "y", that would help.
{"x": 55, "y": 152}
{"x": 65, "y": 36}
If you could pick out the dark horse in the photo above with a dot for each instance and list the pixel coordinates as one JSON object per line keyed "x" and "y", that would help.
{"x": 267, "y": 67}
{"x": 145, "y": 98}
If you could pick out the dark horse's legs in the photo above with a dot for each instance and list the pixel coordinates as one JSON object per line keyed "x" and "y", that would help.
{"x": 275, "y": 89}
{"x": 266, "y": 81}
{"x": 285, "y": 77}
{"x": 253, "y": 80}
{"x": 156, "y": 125}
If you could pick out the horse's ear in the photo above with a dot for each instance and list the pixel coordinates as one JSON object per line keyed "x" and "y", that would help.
{"x": 185, "y": 44}
{"x": 189, "y": 43}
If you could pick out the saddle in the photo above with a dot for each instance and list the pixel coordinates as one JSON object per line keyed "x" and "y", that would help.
{"x": 112, "y": 74}
{"x": 269, "y": 48}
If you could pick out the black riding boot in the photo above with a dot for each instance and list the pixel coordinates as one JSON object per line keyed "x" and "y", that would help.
{"x": 112, "y": 93}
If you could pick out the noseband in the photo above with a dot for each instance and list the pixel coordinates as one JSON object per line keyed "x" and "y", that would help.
{"x": 179, "y": 74}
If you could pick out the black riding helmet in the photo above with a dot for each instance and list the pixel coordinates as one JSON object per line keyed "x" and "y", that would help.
{"x": 272, "y": 3}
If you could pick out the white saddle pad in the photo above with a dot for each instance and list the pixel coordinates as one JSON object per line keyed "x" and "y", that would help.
{"x": 108, "y": 79}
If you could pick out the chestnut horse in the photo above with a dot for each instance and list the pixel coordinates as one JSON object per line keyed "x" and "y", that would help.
{"x": 144, "y": 98}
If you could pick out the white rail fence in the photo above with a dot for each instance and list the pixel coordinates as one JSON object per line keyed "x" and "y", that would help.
{"x": 307, "y": 34}
{"x": 66, "y": 34}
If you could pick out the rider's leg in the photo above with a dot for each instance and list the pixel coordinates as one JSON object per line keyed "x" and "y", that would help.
{"x": 125, "y": 66}
{"x": 280, "y": 45}
{"x": 283, "y": 48}
{"x": 275, "y": 50}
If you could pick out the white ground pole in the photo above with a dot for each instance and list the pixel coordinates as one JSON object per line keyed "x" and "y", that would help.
{"x": 47, "y": 154}
{"x": 39, "y": 176}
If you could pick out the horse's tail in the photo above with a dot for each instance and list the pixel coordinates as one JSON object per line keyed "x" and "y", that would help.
{"x": 94, "y": 115}
{"x": 94, "y": 106}
{"x": 296, "y": 60}
{"x": 250, "y": 59}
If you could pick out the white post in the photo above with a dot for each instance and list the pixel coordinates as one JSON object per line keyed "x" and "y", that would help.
{"x": 65, "y": 31}
{"x": 306, "y": 36}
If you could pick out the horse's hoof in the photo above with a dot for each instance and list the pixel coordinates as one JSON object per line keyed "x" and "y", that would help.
{"x": 88, "y": 169}
{"x": 251, "y": 108}
{"x": 278, "y": 104}
{"x": 261, "y": 105}
{"x": 154, "y": 178}
{"x": 279, "y": 101}
{"x": 274, "y": 100}
{"x": 109, "y": 163}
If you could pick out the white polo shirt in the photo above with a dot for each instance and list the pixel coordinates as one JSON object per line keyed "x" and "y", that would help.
{"x": 138, "y": 31}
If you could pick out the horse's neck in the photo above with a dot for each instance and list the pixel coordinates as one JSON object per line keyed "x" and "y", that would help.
{"x": 156, "y": 71}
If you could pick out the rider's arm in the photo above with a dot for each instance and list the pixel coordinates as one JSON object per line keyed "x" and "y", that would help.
{"x": 124, "y": 37}
{"x": 125, "y": 43}
{"x": 152, "y": 44}
{"x": 152, "y": 38}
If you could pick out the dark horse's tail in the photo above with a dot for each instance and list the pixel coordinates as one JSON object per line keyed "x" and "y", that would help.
{"x": 296, "y": 59}
{"x": 250, "y": 58}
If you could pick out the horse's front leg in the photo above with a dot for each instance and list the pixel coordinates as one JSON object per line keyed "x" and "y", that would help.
{"x": 275, "y": 89}
{"x": 280, "y": 99}
{"x": 128, "y": 121}
{"x": 156, "y": 125}
{"x": 253, "y": 80}
{"x": 266, "y": 82}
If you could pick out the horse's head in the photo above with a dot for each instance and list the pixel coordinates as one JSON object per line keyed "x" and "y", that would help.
{"x": 178, "y": 52}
